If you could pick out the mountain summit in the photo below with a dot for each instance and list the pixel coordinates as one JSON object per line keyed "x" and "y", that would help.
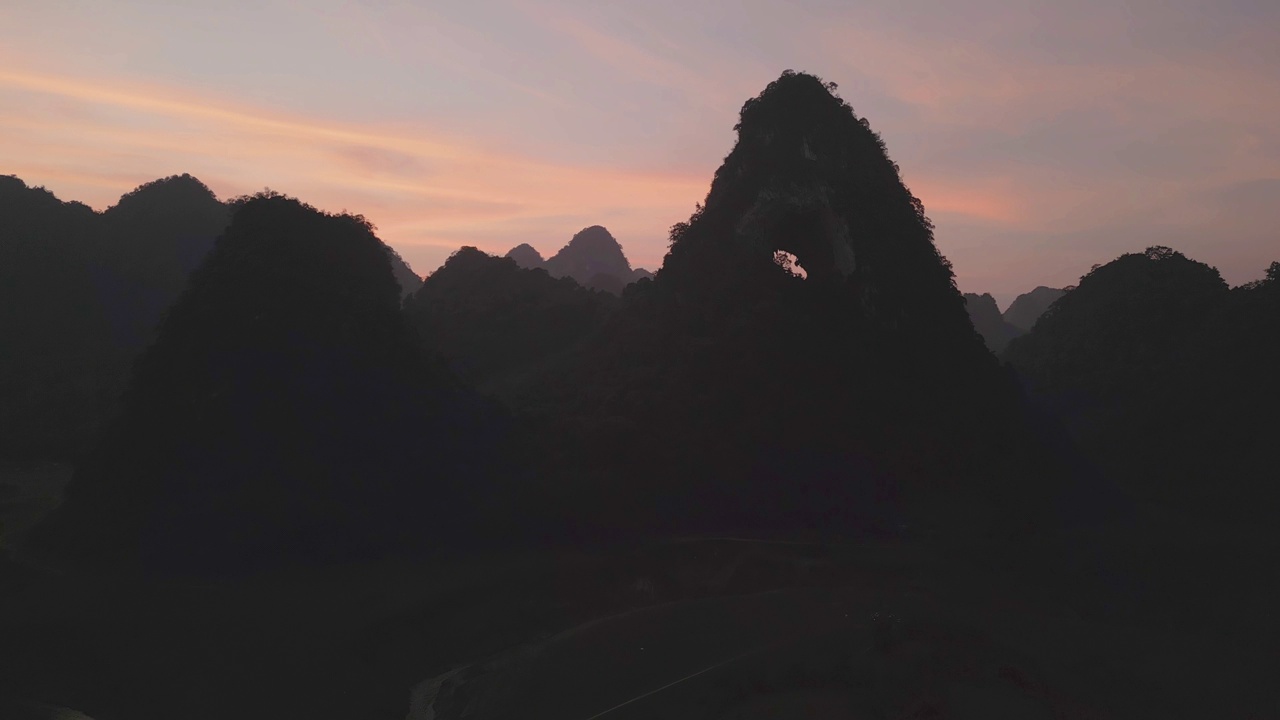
{"x": 740, "y": 394}
{"x": 993, "y": 328}
{"x": 593, "y": 258}
{"x": 526, "y": 256}
{"x": 808, "y": 179}
{"x": 1023, "y": 312}
{"x": 591, "y": 252}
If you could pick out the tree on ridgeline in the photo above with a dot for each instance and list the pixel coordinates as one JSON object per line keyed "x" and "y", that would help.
{"x": 1164, "y": 374}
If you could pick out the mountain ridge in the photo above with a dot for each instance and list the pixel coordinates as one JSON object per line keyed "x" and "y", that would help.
{"x": 592, "y": 257}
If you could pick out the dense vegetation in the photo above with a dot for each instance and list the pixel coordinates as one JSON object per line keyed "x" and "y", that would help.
{"x": 1166, "y": 376}
{"x": 283, "y": 413}
{"x": 81, "y": 294}
{"x": 257, "y": 385}
{"x": 592, "y": 257}
{"x": 498, "y": 322}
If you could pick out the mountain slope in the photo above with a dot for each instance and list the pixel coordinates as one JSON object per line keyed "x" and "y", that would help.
{"x": 284, "y": 414}
{"x": 986, "y": 318}
{"x": 731, "y": 393}
{"x": 592, "y": 258}
{"x": 496, "y": 321}
{"x": 1023, "y": 312}
{"x": 82, "y": 293}
{"x": 1165, "y": 376}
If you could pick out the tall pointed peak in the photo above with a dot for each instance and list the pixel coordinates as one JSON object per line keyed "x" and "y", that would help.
{"x": 809, "y": 181}
{"x": 590, "y": 252}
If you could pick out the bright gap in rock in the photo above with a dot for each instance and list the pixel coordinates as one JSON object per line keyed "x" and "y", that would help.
{"x": 789, "y": 262}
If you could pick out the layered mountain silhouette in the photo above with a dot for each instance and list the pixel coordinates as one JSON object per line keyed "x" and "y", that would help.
{"x": 526, "y": 256}
{"x": 1027, "y": 308}
{"x": 987, "y": 320}
{"x": 408, "y": 280}
{"x": 285, "y": 412}
{"x": 998, "y": 329}
{"x": 730, "y": 391}
{"x": 593, "y": 258}
{"x": 1165, "y": 374}
{"x": 81, "y": 294}
{"x": 498, "y": 322}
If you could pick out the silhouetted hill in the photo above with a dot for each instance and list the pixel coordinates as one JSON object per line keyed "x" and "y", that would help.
{"x": 408, "y": 280}
{"x": 53, "y": 356}
{"x": 730, "y": 392}
{"x": 1023, "y": 312}
{"x": 1123, "y": 317}
{"x": 593, "y": 258}
{"x": 496, "y": 322}
{"x": 985, "y": 315}
{"x": 284, "y": 413}
{"x": 1163, "y": 375}
{"x": 590, "y": 252}
{"x": 155, "y": 236}
{"x": 81, "y": 294}
{"x": 526, "y": 256}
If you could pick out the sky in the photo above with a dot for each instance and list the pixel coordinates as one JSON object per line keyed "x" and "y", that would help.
{"x": 1042, "y": 136}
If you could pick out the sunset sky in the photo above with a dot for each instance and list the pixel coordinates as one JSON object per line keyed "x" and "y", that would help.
{"x": 1043, "y": 137}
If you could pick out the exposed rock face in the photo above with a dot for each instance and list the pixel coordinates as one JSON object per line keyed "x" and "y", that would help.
{"x": 986, "y": 318}
{"x": 1028, "y": 307}
{"x": 808, "y": 177}
{"x": 728, "y": 365}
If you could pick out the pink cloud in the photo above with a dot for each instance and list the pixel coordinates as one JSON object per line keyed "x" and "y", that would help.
{"x": 426, "y": 187}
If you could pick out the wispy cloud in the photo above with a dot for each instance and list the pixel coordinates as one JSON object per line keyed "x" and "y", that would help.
{"x": 425, "y": 190}
{"x": 1041, "y": 136}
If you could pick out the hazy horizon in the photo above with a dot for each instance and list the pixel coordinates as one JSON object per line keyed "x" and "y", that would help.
{"x": 1041, "y": 138}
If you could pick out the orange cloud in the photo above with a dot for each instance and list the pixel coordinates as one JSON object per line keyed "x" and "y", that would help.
{"x": 421, "y": 187}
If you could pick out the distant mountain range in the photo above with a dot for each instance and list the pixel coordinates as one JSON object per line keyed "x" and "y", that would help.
{"x": 592, "y": 257}
{"x": 998, "y": 329}
{"x": 1023, "y": 312}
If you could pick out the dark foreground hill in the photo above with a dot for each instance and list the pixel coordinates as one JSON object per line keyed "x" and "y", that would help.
{"x": 1166, "y": 376}
{"x": 592, "y": 257}
{"x": 81, "y": 294}
{"x": 285, "y": 413}
{"x": 883, "y": 525}
{"x": 1027, "y": 308}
